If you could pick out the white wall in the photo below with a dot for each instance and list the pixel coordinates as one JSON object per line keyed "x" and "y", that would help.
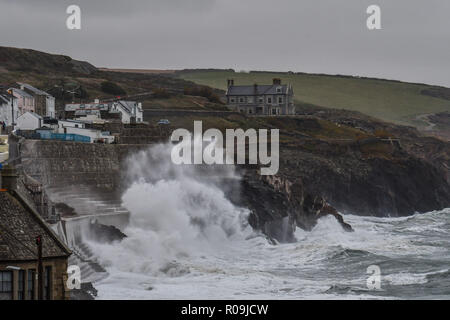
{"x": 51, "y": 111}
{"x": 27, "y": 121}
{"x": 70, "y": 124}
{"x": 5, "y": 112}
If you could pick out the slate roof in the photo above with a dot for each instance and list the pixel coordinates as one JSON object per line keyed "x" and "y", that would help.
{"x": 127, "y": 105}
{"x": 22, "y": 93}
{"x": 33, "y": 89}
{"x": 33, "y": 114}
{"x": 260, "y": 90}
{"x": 19, "y": 227}
{"x": 4, "y": 99}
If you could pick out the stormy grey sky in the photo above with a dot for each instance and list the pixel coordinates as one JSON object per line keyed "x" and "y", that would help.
{"x": 323, "y": 36}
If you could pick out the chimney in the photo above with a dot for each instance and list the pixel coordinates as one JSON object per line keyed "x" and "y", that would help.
{"x": 230, "y": 82}
{"x": 277, "y": 81}
{"x": 9, "y": 177}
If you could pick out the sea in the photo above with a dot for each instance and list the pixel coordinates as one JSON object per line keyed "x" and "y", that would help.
{"x": 186, "y": 240}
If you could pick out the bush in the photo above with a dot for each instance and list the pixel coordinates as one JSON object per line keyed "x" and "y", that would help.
{"x": 112, "y": 88}
{"x": 81, "y": 93}
{"x": 205, "y": 92}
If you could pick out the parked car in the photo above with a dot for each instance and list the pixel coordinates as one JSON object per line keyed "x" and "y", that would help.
{"x": 164, "y": 121}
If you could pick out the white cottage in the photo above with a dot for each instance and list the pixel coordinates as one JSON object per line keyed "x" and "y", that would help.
{"x": 131, "y": 111}
{"x": 29, "y": 121}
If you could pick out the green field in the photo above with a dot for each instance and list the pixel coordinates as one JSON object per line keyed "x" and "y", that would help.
{"x": 392, "y": 101}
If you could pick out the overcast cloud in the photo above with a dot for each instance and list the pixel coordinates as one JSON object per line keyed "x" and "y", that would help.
{"x": 323, "y": 36}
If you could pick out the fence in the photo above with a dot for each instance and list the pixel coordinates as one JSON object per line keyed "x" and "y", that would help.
{"x": 48, "y": 135}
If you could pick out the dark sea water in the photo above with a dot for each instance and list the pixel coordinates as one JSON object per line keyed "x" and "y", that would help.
{"x": 412, "y": 253}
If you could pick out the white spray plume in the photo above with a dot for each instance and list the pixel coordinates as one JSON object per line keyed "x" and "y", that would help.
{"x": 176, "y": 211}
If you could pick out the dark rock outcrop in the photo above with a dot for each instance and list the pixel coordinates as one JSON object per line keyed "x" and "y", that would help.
{"x": 279, "y": 206}
{"x": 105, "y": 234}
{"x": 86, "y": 292}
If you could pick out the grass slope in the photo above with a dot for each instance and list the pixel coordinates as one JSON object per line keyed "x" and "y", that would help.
{"x": 392, "y": 101}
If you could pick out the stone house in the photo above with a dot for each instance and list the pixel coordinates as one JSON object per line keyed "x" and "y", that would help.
{"x": 25, "y": 100}
{"x": 44, "y": 103}
{"x": 20, "y": 225}
{"x": 274, "y": 99}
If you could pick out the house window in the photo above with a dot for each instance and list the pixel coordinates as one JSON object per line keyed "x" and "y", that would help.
{"x": 47, "y": 283}
{"x": 6, "y": 285}
{"x": 232, "y": 100}
{"x": 250, "y": 111}
{"x": 261, "y": 100}
{"x": 280, "y": 99}
{"x": 30, "y": 280}
{"x": 269, "y": 100}
{"x": 278, "y": 89}
{"x": 21, "y": 285}
{"x": 241, "y": 100}
{"x": 274, "y": 111}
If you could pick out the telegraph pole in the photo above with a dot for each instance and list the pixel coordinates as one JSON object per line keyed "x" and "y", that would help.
{"x": 12, "y": 110}
{"x": 40, "y": 269}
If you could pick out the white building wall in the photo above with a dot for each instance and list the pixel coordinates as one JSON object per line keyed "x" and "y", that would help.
{"x": 136, "y": 112}
{"x": 6, "y": 113}
{"x": 27, "y": 121}
{"x": 51, "y": 110}
{"x": 70, "y": 124}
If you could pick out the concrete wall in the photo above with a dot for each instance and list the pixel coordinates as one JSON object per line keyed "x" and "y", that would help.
{"x": 56, "y": 163}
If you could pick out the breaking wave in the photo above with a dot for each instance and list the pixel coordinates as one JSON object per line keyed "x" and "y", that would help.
{"x": 176, "y": 212}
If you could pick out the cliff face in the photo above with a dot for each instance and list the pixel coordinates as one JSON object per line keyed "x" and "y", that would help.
{"x": 374, "y": 186}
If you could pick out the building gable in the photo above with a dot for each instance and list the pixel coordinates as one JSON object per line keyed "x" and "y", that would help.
{"x": 19, "y": 227}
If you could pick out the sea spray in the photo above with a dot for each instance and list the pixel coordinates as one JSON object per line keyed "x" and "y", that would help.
{"x": 176, "y": 212}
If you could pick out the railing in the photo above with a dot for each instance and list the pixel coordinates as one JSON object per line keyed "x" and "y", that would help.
{"x": 47, "y": 135}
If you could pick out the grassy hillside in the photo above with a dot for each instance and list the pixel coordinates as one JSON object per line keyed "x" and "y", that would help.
{"x": 393, "y": 101}
{"x": 71, "y": 80}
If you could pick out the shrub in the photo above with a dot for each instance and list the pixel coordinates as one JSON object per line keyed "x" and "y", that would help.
{"x": 112, "y": 88}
